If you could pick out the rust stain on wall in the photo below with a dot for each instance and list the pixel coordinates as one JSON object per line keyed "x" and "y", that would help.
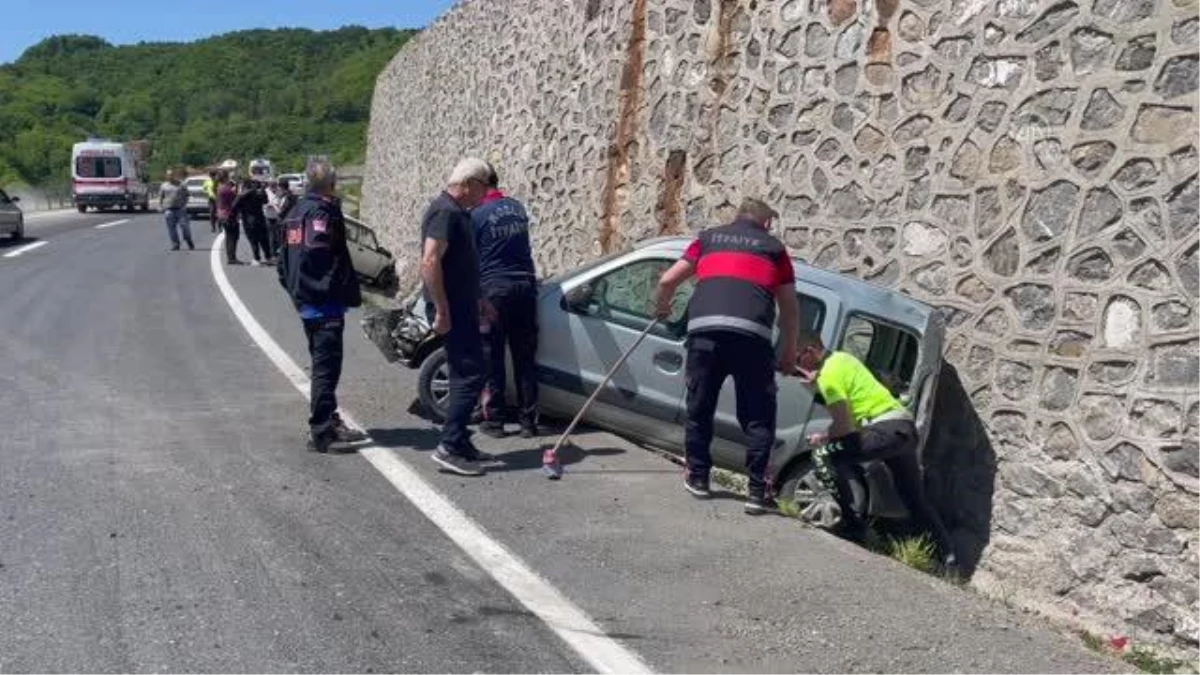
{"x": 841, "y": 10}
{"x": 670, "y": 193}
{"x": 624, "y": 144}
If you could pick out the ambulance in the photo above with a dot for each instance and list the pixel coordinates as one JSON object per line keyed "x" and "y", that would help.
{"x": 109, "y": 174}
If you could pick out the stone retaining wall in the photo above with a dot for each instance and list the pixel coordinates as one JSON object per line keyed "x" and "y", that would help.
{"x": 1030, "y": 167}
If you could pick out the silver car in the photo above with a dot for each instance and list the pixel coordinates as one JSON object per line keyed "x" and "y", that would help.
{"x": 372, "y": 262}
{"x": 589, "y": 316}
{"x": 12, "y": 220}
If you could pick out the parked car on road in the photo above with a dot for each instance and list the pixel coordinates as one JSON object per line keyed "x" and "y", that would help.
{"x": 588, "y": 316}
{"x": 197, "y": 200}
{"x": 372, "y": 262}
{"x": 12, "y": 220}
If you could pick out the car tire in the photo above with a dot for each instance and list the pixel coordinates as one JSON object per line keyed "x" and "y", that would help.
{"x": 386, "y": 277}
{"x": 433, "y": 385}
{"x": 814, "y": 503}
{"x": 81, "y": 208}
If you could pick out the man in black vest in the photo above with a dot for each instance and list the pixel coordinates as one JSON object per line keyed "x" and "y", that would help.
{"x": 742, "y": 273}
{"x": 318, "y": 274}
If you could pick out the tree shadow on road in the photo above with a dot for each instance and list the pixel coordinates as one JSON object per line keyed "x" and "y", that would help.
{"x": 960, "y": 469}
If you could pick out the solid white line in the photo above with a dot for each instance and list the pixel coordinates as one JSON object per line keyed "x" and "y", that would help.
{"x": 569, "y": 622}
{"x": 25, "y": 249}
{"x": 105, "y": 226}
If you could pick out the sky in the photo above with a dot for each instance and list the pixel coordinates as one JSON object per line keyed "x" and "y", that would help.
{"x": 24, "y": 23}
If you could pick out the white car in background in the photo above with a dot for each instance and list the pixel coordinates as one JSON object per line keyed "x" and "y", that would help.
{"x": 296, "y": 182}
{"x": 12, "y": 220}
{"x": 197, "y": 203}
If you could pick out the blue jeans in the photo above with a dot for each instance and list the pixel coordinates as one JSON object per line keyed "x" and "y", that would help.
{"x": 177, "y": 220}
{"x": 464, "y": 359}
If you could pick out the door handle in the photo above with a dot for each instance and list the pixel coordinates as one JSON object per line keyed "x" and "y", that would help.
{"x": 671, "y": 362}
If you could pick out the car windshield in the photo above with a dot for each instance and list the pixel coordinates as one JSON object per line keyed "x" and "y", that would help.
{"x": 90, "y": 166}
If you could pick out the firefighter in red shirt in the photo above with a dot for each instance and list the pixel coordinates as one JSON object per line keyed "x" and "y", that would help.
{"x": 743, "y": 272}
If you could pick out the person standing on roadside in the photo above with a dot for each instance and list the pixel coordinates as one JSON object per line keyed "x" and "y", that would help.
{"x": 227, "y": 217}
{"x": 743, "y": 272}
{"x": 509, "y": 283}
{"x": 172, "y": 201}
{"x": 316, "y": 270}
{"x": 210, "y": 191}
{"x": 283, "y": 200}
{"x": 456, "y": 309}
{"x": 249, "y": 207}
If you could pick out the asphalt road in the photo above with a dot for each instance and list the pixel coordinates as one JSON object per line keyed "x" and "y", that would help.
{"x": 158, "y": 512}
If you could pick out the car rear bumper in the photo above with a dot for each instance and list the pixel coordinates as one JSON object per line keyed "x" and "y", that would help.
{"x": 103, "y": 199}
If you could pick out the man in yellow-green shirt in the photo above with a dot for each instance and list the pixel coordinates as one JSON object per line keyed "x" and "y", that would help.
{"x": 210, "y": 191}
{"x": 868, "y": 423}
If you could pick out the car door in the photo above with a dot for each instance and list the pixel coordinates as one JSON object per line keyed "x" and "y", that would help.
{"x": 820, "y": 310}
{"x": 368, "y": 246}
{"x": 588, "y": 322}
{"x": 900, "y": 339}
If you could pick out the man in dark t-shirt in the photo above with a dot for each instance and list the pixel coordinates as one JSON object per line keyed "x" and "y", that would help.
{"x": 450, "y": 272}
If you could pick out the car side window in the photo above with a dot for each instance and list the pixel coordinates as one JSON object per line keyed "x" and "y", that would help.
{"x": 888, "y": 351}
{"x": 351, "y": 232}
{"x": 626, "y": 296}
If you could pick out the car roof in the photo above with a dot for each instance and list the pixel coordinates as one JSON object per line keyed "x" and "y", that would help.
{"x": 821, "y": 277}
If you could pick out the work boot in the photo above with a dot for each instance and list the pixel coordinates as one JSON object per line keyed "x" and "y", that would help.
{"x": 697, "y": 486}
{"x": 492, "y": 428}
{"x": 759, "y": 502}
{"x": 453, "y": 463}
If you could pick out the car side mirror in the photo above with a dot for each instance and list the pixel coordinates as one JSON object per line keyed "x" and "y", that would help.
{"x": 579, "y": 298}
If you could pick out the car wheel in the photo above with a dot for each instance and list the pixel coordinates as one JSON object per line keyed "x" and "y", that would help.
{"x": 20, "y": 233}
{"x": 814, "y": 502}
{"x": 81, "y": 208}
{"x": 433, "y": 385}
{"x": 385, "y": 278}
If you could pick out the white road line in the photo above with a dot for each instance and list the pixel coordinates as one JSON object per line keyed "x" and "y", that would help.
{"x": 105, "y": 226}
{"x": 25, "y": 249}
{"x": 569, "y": 622}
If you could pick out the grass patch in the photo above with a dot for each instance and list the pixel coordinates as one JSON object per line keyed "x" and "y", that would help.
{"x": 918, "y": 553}
{"x": 1143, "y": 658}
{"x": 789, "y": 508}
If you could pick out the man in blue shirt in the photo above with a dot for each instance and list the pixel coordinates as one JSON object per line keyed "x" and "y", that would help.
{"x": 509, "y": 283}
{"x": 316, "y": 269}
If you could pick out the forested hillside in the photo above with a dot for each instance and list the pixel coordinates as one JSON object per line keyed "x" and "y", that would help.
{"x": 282, "y": 94}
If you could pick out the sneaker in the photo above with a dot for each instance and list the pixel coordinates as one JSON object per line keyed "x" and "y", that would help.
{"x": 456, "y": 463}
{"x": 320, "y": 443}
{"x": 697, "y": 486}
{"x": 344, "y": 433}
{"x": 493, "y": 429}
{"x": 191, "y": 246}
{"x": 758, "y": 503}
{"x": 529, "y": 431}
{"x": 174, "y": 247}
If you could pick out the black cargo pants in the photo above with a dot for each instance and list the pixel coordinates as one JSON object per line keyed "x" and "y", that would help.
{"x": 893, "y": 442}
{"x": 515, "y": 330}
{"x": 711, "y": 358}
{"x": 325, "y": 348}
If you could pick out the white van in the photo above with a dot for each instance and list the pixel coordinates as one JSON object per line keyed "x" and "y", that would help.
{"x": 107, "y": 174}
{"x": 261, "y": 170}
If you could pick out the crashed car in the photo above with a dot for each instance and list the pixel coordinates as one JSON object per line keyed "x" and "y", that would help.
{"x": 590, "y": 315}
